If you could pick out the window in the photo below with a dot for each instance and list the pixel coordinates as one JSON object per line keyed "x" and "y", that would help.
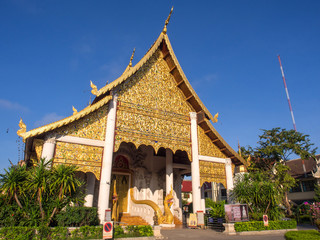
{"x": 296, "y": 188}
{"x": 308, "y": 186}
{"x": 223, "y": 192}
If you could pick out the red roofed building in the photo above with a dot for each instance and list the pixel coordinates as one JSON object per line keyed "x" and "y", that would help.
{"x": 186, "y": 191}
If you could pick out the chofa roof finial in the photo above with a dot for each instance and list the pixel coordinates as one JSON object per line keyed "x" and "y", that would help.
{"x": 130, "y": 63}
{"x": 167, "y": 21}
{"x": 23, "y": 128}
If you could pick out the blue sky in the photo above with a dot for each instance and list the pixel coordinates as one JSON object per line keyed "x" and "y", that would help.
{"x": 50, "y": 50}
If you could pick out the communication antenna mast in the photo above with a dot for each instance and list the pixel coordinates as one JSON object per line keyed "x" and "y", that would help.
{"x": 285, "y": 86}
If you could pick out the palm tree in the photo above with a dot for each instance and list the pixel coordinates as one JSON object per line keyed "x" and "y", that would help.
{"x": 13, "y": 181}
{"x": 38, "y": 181}
{"x": 64, "y": 182}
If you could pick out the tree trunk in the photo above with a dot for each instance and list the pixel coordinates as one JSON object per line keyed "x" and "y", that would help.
{"x": 287, "y": 204}
{"x": 40, "y": 205}
{"x": 17, "y": 200}
{"x": 55, "y": 209}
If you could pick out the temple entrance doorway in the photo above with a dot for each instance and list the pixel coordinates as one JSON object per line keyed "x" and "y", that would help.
{"x": 119, "y": 198}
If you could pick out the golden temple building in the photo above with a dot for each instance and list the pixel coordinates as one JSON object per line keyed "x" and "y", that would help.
{"x": 136, "y": 141}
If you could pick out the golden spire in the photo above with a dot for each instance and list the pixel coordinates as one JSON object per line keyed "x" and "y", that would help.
{"x": 94, "y": 90}
{"x": 215, "y": 118}
{"x": 130, "y": 63}
{"x": 167, "y": 21}
{"x": 23, "y": 128}
{"x": 75, "y": 111}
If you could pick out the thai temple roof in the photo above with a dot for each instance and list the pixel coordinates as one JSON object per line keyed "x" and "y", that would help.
{"x": 104, "y": 95}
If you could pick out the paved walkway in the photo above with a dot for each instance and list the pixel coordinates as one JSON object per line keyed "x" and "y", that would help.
{"x": 185, "y": 234}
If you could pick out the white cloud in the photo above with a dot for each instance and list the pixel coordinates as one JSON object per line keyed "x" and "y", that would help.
{"x": 207, "y": 79}
{"x": 48, "y": 118}
{"x": 6, "y": 104}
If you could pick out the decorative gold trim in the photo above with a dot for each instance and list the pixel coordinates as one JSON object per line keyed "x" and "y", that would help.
{"x": 23, "y": 128}
{"x": 167, "y": 217}
{"x": 94, "y": 90}
{"x": 130, "y": 63}
{"x": 75, "y": 111}
{"x": 133, "y": 70}
{"x": 66, "y": 120}
{"x": 167, "y": 21}
{"x": 215, "y": 118}
{"x": 224, "y": 142}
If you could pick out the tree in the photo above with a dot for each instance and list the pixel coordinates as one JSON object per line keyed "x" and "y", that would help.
{"x": 279, "y": 144}
{"x": 66, "y": 183}
{"x": 12, "y": 183}
{"x": 40, "y": 191}
{"x": 259, "y": 193}
{"x": 274, "y": 149}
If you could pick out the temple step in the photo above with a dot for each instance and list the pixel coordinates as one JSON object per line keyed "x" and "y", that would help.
{"x": 127, "y": 219}
{"x": 176, "y": 221}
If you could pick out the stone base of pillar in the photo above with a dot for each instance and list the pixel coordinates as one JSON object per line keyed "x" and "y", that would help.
{"x": 229, "y": 229}
{"x": 167, "y": 225}
{"x": 157, "y": 233}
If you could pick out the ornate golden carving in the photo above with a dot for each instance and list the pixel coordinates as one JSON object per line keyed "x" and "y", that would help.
{"x": 94, "y": 90}
{"x": 215, "y": 118}
{"x": 207, "y": 147}
{"x": 75, "y": 111}
{"x": 167, "y": 21}
{"x": 37, "y": 146}
{"x": 87, "y": 158}
{"x": 130, "y": 63}
{"x": 92, "y": 126}
{"x": 167, "y": 217}
{"x": 80, "y": 115}
{"x": 23, "y": 128}
{"x": 152, "y": 110}
{"x": 212, "y": 172}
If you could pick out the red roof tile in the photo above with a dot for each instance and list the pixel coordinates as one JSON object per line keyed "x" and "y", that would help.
{"x": 186, "y": 186}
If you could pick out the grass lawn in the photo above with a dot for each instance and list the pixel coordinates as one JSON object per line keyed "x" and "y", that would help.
{"x": 303, "y": 234}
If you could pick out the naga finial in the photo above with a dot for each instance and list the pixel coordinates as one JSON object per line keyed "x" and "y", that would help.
{"x": 94, "y": 90}
{"x": 215, "y": 118}
{"x": 23, "y": 128}
{"x": 167, "y": 21}
{"x": 130, "y": 63}
{"x": 75, "y": 111}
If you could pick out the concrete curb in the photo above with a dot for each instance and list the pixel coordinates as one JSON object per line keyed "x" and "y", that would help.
{"x": 136, "y": 238}
{"x": 264, "y": 232}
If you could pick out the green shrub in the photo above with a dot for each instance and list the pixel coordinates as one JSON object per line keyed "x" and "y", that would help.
{"x": 87, "y": 232}
{"x": 77, "y": 217}
{"x": 259, "y": 226}
{"x": 17, "y": 233}
{"x": 306, "y": 234}
{"x": 118, "y": 230}
{"x": 216, "y": 208}
{"x": 140, "y": 230}
{"x": 57, "y": 233}
{"x": 304, "y": 219}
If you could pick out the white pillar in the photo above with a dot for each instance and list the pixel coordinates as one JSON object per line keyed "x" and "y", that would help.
{"x": 229, "y": 177}
{"x": 48, "y": 149}
{"x": 105, "y": 180}
{"x": 91, "y": 180}
{"x": 169, "y": 173}
{"x": 169, "y": 170}
{"x": 203, "y": 201}
{"x": 196, "y": 195}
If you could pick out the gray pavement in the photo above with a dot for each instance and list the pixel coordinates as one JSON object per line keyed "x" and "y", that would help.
{"x": 185, "y": 234}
